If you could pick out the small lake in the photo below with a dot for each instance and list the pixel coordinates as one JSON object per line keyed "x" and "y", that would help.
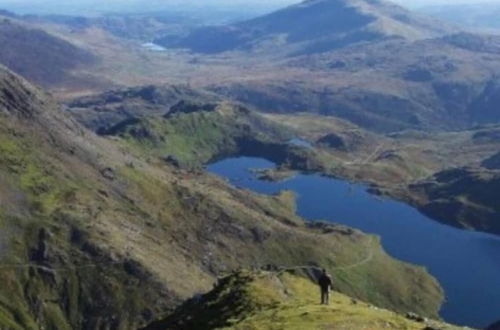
{"x": 467, "y": 264}
{"x": 153, "y": 47}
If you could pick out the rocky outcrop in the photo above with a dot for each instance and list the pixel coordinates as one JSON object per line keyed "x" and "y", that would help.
{"x": 109, "y": 110}
{"x": 190, "y": 107}
{"x": 464, "y": 197}
{"x": 333, "y": 141}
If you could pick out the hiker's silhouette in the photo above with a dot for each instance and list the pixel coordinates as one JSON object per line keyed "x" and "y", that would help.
{"x": 325, "y": 283}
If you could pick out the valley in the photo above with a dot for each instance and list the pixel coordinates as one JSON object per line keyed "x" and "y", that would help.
{"x": 146, "y": 158}
{"x": 146, "y": 225}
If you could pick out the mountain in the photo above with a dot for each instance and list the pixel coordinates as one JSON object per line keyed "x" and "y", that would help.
{"x": 96, "y": 234}
{"x": 312, "y": 26}
{"x": 39, "y": 56}
{"x": 448, "y": 83}
{"x": 283, "y": 300}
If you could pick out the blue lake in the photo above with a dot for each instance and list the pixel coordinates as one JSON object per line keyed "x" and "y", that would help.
{"x": 467, "y": 264}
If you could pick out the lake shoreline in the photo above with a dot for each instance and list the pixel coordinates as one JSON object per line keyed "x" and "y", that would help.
{"x": 402, "y": 228}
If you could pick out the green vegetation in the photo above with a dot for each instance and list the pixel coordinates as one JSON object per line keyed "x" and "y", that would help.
{"x": 197, "y": 137}
{"x": 97, "y": 237}
{"x": 267, "y": 300}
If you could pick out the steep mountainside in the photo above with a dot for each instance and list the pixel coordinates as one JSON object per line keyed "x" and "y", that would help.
{"x": 280, "y": 300}
{"x": 39, "y": 56}
{"x": 313, "y": 26}
{"x": 94, "y": 237}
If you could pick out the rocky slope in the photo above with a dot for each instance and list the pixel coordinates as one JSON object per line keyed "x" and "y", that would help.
{"x": 465, "y": 197}
{"x": 312, "y": 26}
{"x": 274, "y": 300}
{"x": 96, "y": 237}
{"x": 103, "y": 111}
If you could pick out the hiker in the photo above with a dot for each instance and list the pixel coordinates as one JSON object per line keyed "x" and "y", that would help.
{"x": 325, "y": 283}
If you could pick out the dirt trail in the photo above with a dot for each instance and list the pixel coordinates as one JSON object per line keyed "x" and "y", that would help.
{"x": 362, "y": 262}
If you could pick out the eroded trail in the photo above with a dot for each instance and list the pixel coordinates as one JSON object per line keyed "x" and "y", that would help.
{"x": 367, "y": 259}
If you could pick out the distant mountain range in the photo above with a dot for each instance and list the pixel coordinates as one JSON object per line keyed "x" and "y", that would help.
{"x": 313, "y": 26}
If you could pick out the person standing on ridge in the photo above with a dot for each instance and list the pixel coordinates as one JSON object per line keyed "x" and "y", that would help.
{"x": 326, "y": 284}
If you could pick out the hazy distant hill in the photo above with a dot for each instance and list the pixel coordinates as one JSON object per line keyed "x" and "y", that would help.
{"x": 476, "y": 16}
{"x": 38, "y": 55}
{"x": 313, "y": 26}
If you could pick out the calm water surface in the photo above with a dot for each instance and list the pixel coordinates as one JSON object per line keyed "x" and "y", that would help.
{"x": 467, "y": 264}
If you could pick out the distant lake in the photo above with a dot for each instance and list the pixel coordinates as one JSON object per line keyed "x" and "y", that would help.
{"x": 467, "y": 264}
{"x": 153, "y": 47}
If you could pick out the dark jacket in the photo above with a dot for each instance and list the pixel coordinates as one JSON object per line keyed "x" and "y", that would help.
{"x": 325, "y": 282}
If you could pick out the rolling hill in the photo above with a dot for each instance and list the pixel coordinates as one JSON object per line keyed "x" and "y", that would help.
{"x": 39, "y": 56}
{"x": 312, "y": 26}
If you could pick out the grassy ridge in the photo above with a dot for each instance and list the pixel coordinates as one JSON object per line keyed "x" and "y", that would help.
{"x": 264, "y": 300}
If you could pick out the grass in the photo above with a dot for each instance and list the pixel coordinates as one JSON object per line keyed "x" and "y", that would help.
{"x": 44, "y": 190}
{"x": 198, "y": 137}
{"x": 266, "y": 300}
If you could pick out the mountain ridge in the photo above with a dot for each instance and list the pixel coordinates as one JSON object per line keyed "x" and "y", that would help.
{"x": 313, "y": 26}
